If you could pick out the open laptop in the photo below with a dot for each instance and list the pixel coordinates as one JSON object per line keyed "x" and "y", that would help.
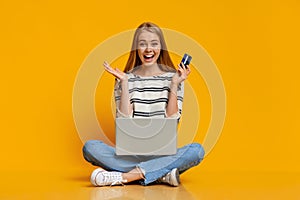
{"x": 146, "y": 136}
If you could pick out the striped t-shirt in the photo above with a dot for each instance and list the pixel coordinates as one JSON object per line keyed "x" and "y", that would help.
{"x": 149, "y": 95}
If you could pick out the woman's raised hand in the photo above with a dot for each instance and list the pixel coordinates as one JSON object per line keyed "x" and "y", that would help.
{"x": 181, "y": 74}
{"x": 115, "y": 72}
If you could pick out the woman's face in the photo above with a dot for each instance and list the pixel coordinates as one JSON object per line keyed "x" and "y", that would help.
{"x": 148, "y": 48}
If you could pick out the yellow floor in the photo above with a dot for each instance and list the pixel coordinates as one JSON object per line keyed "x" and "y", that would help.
{"x": 212, "y": 185}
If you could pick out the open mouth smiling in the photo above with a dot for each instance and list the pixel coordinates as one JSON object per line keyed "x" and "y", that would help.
{"x": 148, "y": 57}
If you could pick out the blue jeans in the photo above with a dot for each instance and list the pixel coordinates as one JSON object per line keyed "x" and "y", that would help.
{"x": 154, "y": 167}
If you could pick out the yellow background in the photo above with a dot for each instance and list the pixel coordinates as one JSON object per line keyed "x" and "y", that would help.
{"x": 255, "y": 45}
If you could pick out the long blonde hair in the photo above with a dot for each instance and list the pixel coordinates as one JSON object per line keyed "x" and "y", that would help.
{"x": 164, "y": 60}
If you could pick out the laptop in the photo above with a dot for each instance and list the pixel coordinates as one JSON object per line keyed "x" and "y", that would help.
{"x": 146, "y": 136}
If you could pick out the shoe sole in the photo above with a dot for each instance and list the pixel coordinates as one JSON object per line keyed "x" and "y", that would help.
{"x": 94, "y": 176}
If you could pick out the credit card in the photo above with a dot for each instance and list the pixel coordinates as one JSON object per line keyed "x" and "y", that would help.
{"x": 186, "y": 60}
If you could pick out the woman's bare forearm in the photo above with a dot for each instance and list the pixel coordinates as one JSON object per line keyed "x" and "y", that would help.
{"x": 172, "y": 106}
{"x": 125, "y": 107}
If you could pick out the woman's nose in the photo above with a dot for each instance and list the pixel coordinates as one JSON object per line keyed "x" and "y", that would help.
{"x": 148, "y": 48}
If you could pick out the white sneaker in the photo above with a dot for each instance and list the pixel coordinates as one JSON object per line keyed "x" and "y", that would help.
{"x": 171, "y": 178}
{"x": 100, "y": 177}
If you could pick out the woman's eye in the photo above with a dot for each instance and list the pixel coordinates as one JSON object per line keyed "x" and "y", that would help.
{"x": 142, "y": 44}
{"x": 155, "y": 44}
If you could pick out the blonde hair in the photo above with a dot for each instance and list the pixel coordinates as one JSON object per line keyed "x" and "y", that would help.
{"x": 164, "y": 60}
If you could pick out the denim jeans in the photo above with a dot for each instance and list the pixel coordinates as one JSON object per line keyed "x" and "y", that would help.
{"x": 154, "y": 167}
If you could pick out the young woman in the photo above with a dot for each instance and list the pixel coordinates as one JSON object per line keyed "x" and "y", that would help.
{"x": 150, "y": 86}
